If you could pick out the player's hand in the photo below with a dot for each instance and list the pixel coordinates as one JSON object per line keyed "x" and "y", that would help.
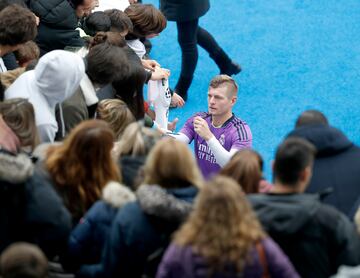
{"x": 201, "y": 127}
{"x": 150, "y": 64}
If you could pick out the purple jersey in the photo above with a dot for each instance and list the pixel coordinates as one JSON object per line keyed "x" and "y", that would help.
{"x": 233, "y": 134}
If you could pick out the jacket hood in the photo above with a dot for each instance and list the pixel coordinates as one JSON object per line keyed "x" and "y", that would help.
{"x": 169, "y": 204}
{"x": 327, "y": 139}
{"x": 15, "y": 168}
{"x": 284, "y": 213}
{"x": 58, "y": 75}
{"x": 117, "y": 195}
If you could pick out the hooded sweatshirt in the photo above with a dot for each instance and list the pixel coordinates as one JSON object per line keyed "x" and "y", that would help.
{"x": 316, "y": 237}
{"x": 54, "y": 79}
{"x": 336, "y": 165}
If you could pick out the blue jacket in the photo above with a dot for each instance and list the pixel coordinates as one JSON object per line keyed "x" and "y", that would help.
{"x": 139, "y": 229}
{"x": 88, "y": 238}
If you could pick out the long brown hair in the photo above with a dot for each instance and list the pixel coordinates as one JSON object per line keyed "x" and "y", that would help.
{"x": 222, "y": 227}
{"x": 245, "y": 167}
{"x": 171, "y": 164}
{"x": 82, "y": 165}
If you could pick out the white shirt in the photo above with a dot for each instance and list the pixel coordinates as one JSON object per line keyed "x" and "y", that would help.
{"x": 2, "y": 66}
{"x": 112, "y": 4}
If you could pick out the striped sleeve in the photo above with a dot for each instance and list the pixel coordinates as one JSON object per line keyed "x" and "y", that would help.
{"x": 242, "y": 136}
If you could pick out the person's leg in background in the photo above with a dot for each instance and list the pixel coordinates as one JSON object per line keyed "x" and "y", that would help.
{"x": 208, "y": 42}
{"x": 187, "y": 38}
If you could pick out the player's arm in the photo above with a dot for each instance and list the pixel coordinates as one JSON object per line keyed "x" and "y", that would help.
{"x": 186, "y": 134}
{"x": 221, "y": 155}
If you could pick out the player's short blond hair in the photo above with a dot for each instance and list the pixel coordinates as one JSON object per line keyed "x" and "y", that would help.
{"x": 225, "y": 80}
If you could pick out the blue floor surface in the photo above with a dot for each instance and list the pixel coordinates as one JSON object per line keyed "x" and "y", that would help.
{"x": 295, "y": 54}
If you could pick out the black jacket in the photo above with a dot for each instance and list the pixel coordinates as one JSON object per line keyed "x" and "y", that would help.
{"x": 184, "y": 10}
{"x": 30, "y": 210}
{"x": 58, "y": 22}
{"x": 316, "y": 237}
{"x": 337, "y": 165}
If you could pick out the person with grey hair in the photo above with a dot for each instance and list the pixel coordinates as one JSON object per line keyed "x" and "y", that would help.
{"x": 336, "y": 166}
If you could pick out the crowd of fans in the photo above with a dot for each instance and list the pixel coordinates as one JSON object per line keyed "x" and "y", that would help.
{"x": 91, "y": 187}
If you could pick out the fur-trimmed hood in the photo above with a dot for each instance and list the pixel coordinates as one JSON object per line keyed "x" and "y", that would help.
{"x": 15, "y": 168}
{"x": 117, "y": 195}
{"x": 169, "y": 204}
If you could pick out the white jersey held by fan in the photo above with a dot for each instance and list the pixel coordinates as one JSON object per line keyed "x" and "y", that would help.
{"x": 159, "y": 97}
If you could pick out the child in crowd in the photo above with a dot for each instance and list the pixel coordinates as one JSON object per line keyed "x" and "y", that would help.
{"x": 96, "y": 22}
{"x": 116, "y": 113}
{"x": 131, "y": 151}
{"x": 120, "y": 22}
{"x": 246, "y": 167}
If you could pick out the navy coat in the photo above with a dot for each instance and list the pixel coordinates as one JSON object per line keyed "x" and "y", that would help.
{"x": 139, "y": 229}
{"x": 336, "y": 166}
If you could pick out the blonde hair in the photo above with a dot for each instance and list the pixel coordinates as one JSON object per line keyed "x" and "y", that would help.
{"x": 19, "y": 115}
{"x": 8, "y": 78}
{"x": 225, "y": 80}
{"x": 222, "y": 227}
{"x": 136, "y": 140}
{"x": 171, "y": 164}
{"x": 116, "y": 113}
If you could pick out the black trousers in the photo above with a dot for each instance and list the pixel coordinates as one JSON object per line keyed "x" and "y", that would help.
{"x": 190, "y": 34}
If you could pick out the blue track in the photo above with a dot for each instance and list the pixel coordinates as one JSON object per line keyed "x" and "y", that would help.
{"x": 295, "y": 54}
